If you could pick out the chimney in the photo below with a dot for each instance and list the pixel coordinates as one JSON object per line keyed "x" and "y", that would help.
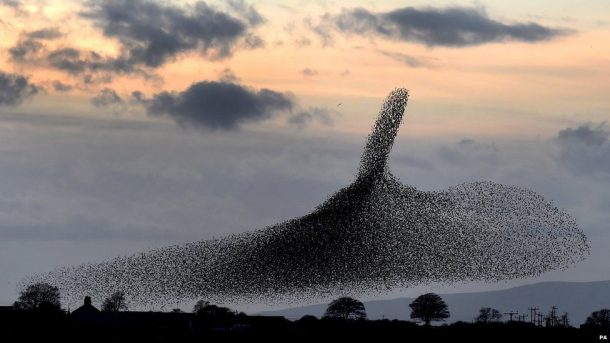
{"x": 87, "y": 301}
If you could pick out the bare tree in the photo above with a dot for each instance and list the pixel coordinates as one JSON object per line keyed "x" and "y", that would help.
{"x": 115, "y": 303}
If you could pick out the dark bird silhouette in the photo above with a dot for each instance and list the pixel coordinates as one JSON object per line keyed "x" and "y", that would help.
{"x": 374, "y": 235}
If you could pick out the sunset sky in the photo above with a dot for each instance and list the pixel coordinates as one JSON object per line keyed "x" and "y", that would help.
{"x": 129, "y": 124}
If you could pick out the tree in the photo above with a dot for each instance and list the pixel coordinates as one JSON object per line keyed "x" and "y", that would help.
{"x": 115, "y": 303}
{"x": 40, "y": 297}
{"x": 199, "y": 305}
{"x": 488, "y": 315}
{"x": 429, "y": 307}
{"x": 345, "y": 308}
{"x": 216, "y": 316}
{"x": 599, "y": 318}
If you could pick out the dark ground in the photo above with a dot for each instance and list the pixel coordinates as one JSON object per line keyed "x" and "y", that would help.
{"x": 22, "y": 326}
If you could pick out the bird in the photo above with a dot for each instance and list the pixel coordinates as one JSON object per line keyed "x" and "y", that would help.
{"x": 372, "y": 236}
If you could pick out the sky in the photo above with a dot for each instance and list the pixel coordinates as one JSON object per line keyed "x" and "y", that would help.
{"x": 127, "y": 125}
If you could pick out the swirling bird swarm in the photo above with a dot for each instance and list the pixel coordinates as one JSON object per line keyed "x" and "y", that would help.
{"x": 371, "y": 236}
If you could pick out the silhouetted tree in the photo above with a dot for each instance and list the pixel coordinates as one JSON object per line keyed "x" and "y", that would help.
{"x": 39, "y": 296}
{"x": 216, "y": 316}
{"x": 599, "y": 318}
{"x": 308, "y": 318}
{"x": 115, "y": 303}
{"x": 214, "y": 311}
{"x": 345, "y": 308}
{"x": 200, "y": 305}
{"x": 429, "y": 307}
{"x": 488, "y": 314}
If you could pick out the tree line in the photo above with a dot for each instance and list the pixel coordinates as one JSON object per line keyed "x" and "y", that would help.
{"x": 426, "y": 308}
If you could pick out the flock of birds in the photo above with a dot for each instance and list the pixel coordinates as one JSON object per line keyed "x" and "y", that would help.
{"x": 374, "y": 235}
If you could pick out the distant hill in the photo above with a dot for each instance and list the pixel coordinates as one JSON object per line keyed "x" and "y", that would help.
{"x": 579, "y": 299}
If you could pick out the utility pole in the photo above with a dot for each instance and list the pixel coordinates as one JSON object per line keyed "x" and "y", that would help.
{"x": 565, "y": 320}
{"x": 540, "y": 317}
{"x": 533, "y": 312}
{"x": 511, "y": 314}
{"x": 553, "y": 315}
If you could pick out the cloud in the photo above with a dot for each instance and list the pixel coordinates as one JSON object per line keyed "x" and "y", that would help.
{"x": 411, "y": 61}
{"x": 246, "y": 11}
{"x": 11, "y": 3}
{"x": 61, "y": 87}
{"x": 46, "y": 34}
{"x": 300, "y": 119}
{"x": 451, "y": 27}
{"x": 14, "y": 89}
{"x": 303, "y": 41}
{"x": 152, "y": 34}
{"x": 88, "y": 63}
{"x": 74, "y": 61}
{"x": 585, "y": 149}
{"x": 469, "y": 152}
{"x": 227, "y": 75}
{"x": 309, "y": 72}
{"x": 305, "y": 117}
{"x": 217, "y": 105}
{"x": 106, "y": 97}
{"x": 15, "y": 5}
{"x": 25, "y": 50}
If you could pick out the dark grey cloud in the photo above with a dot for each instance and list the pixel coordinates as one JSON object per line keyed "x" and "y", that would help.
{"x": 49, "y": 33}
{"x": 300, "y": 119}
{"x": 74, "y": 61}
{"x": 217, "y": 105}
{"x": 587, "y": 135}
{"x": 303, "y": 118}
{"x": 452, "y": 26}
{"x": 106, "y": 97}
{"x": 25, "y": 50}
{"x": 61, "y": 87}
{"x": 11, "y": 3}
{"x": 411, "y": 61}
{"x": 152, "y": 33}
{"x": 254, "y": 42}
{"x": 309, "y": 72}
{"x": 14, "y": 89}
{"x": 585, "y": 149}
{"x": 87, "y": 63}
